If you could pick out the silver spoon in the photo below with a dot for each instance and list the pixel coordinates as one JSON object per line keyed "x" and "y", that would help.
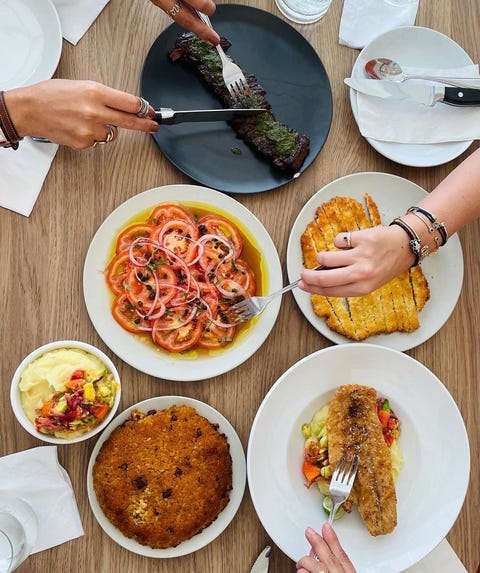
{"x": 386, "y": 69}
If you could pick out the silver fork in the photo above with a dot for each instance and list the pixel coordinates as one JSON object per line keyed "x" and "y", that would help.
{"x": 342, "y": 482}
{"x": 253, "y": 306}
{"x": 233, "y": 76}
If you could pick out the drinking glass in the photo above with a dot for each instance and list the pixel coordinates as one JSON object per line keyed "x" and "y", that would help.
{"x": 18, "y": 532}
{"x": 303, "y": 11}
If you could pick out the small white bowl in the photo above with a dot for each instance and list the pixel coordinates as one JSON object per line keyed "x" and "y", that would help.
{"x": 16, "y": 402}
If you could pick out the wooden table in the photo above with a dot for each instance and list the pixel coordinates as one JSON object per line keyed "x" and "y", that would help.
{"x": 42, "y": 260}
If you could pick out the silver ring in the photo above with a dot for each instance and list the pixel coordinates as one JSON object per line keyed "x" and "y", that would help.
{"x": 174, "y": 10}
{"x": 112, "y": 133}
{"x": 144, "y": 107}
{"x": 348, "y": 240}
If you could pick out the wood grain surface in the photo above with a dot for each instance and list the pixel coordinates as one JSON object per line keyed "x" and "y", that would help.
{"x": 42, "y": 262}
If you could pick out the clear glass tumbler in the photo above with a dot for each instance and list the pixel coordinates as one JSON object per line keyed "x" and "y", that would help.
{"x": 18, "y": 532}
{"x": 303, "y": 11}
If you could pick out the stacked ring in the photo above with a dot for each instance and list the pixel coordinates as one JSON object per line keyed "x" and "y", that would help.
{"x": 144, "y": 107}
{"x": 174, "y": 10}
{"x": 112, "y": 133}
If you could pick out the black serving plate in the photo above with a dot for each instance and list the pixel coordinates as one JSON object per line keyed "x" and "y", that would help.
{"x": 284, "y": 63}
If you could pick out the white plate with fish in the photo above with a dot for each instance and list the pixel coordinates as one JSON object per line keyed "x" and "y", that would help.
{"x": 393, "y": 196}
{"x": 431, "y": 448}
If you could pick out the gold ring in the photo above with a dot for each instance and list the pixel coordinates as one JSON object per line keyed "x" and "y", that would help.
{"x": 348, "y": 240}
{"x": 174, "y": 10}
{"x": 112, "y": 133}
{"x": 144, "y": 107}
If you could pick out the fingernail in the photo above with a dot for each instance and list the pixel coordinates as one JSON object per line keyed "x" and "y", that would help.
{"x": 154, "y": 127}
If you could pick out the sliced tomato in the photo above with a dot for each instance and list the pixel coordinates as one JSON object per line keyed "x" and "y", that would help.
{"x": 140, "y": 287}
{"x": 117, "y": 271}
{"x": 131, "y": 233}
{"x": 217, "y": 225}
{"x": 125, "y": 313}
{"x": 180, "y": 237}
{"x": 168, "y": 211}
{"x": 214, "y": 336}
{"x": 234, "y": 273}
{"x": 179, "y": 339}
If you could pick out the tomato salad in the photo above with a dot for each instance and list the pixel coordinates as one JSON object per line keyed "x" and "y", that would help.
{"x": 175, "y": 277}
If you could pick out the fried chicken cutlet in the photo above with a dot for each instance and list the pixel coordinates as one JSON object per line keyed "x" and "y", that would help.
{"x": 353, "y": 427}
{"x": 392, "y": 307}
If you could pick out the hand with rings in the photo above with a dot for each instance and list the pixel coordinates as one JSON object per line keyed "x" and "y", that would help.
{"x": 326, "y": 554}
{"x": 364, "y": 261}
{"x": 76, "y": 113}
{"x": 183, "y": 13}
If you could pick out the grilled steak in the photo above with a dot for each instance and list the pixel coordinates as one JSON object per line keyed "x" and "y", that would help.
{"x": 281, "y": 145}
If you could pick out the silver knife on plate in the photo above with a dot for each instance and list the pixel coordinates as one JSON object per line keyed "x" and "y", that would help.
{"x": 261, "y": 562}
{"x": 168, "y": 116}
{"x": 425, "y": 94}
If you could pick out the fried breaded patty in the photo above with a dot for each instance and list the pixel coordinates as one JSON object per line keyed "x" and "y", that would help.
{"x": 164, "y": 476}
{"x": 392, "y": 307}
{"x": 353, "y": 427}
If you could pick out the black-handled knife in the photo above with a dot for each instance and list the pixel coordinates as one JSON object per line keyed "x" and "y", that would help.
{"x": 421, "y": 93}
{"x": 168, "y": 116}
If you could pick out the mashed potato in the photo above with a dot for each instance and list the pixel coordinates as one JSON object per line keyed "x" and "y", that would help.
{"x": 48, "y": 374}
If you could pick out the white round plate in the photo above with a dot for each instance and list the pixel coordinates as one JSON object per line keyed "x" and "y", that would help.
{"x": 393, "y": 195}
{"x": 225, "y": 516}
{"x": 31, "y": 42}
{"x": 429, "y": 494}
{"x": 146, "y": 357}
{"x": 418, "y": 47}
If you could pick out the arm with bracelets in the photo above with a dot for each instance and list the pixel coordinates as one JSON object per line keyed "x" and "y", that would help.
{"x": 377, "y": 255}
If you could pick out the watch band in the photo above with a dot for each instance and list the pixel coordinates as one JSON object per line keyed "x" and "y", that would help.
{"x": 8, "y": 134}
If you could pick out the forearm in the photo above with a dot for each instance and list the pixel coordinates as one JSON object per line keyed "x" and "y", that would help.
{"x": 456, "y": 200}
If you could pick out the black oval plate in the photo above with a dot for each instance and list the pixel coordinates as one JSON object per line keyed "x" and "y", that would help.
{"x": 284, "y": 63}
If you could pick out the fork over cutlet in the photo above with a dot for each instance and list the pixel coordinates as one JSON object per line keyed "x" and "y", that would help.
{"x": 284, "y": 147}
{"x": 353, "y": 427}
{"x": 392, "y": 307}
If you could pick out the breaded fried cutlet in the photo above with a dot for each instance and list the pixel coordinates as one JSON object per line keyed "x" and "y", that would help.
{"x": 392, "y": 307}
{"x": 163, "y": 476}
{"x": 353, "y": 427}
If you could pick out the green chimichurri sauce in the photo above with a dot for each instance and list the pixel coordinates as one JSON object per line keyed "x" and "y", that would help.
{"x": 265, "y": 125}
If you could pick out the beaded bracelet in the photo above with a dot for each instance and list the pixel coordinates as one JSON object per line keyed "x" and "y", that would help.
{"x": 6, "y": 126}
{"x": 439, "y": 227}
{"x": 419, "y": 251}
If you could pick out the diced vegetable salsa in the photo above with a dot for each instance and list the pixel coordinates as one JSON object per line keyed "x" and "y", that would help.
{"x": 87, "y": 399}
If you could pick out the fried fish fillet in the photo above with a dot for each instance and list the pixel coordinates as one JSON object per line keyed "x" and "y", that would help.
{"x": 392, "y": 307}
{"x": 353, "y": 427}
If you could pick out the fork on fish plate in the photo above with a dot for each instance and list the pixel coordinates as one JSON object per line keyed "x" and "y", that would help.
{"x": 250, "y": 307}
{"x": 233, "y": 76}
{"x": 342, "y": 481}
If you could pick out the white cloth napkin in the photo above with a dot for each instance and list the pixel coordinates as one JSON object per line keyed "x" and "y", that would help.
{"x": 36, "y": 477}
{"x": 442, "y": 559}
{"x": 22, "y": 173}
{"x": 410, "y": 122}
{"x": 363, "y": 20}
{"x": 76, "y": 16}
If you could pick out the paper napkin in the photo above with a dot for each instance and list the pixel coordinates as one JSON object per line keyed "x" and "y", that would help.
{"x": 442, "y": 559}
{"x": 22, "y": 173}
{"x": 76, "y": 16}
{"x": 36, "y": 477}
{"x": 363, "y": 20}
{"x": 410, "y": 122}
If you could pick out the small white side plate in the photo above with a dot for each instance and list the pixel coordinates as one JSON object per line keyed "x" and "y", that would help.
{"x": 413, "y": 46}
{"x": 31, "y": 42}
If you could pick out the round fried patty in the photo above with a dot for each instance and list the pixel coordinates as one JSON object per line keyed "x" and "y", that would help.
{"x": 163, "y": 476}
